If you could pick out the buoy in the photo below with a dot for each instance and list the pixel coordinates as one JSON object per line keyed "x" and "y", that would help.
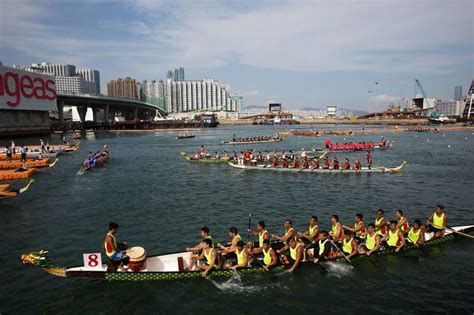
{"x": 449, "y": 146}
{"x": 465, "y": 138}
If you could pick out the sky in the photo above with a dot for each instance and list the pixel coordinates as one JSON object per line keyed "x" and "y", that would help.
{"x": 300, "y": 53}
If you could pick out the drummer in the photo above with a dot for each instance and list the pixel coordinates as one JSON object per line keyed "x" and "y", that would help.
{"x": 115, "y": 251}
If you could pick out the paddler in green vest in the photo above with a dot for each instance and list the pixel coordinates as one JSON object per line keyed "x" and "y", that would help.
{"x": 211, "y": 258}
{"x": 437, "y": 221}
{"x": 205, "y": 234}
{"x": 416, "y": 234}
{"x": 289, "y": 233}
{"x": 115, "y": 251}
{"x": 262, "y": 236}
{"x": 359, "y": 229}
{"x": 312, "y": 234}
{"x": 242, "y": 257}
{"x": 297, "y": 254}
{"x": 322, "y": 251}
{"x": 270, "y": 259}
{"x": 394, "y": 239}
{"x": 372, "y": 241}
{"x": 235, "y": 238}
{"x": 349, "y": 245}
{"x": 380, "y": 223}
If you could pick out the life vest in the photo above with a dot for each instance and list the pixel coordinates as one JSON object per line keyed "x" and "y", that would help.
{"x": 404, "y": 228}
{"x": 240, "y": 257}
{"x": 260, "y": 238}
{"x": 294, "y": 250}
{"x": 380, "y": 230}
{"x": 438, "y": 222}
{"x": 393, "y": 239}
{"x": 322, "y": 244}
{"x": 347, "y": 246}
{"x": 413, "y": 236}
{"x": 362, "y": 233}
{"x": 267, "y": 257}
{"x": 114, "y": 242}
{"x": 370, "y": 241}
{"x": 236, "y": 236}
{"x": 286, "y": 233}
{"x": 311, "y": 231}
{"x": 334, "y": 231}
{"x": 208, "y": 256}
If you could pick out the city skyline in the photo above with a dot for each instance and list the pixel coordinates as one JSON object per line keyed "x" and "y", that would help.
{"x": 300, "y": 56}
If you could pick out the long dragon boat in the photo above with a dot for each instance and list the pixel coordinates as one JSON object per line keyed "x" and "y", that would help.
{"x": 55, "y": 148}
{"x": 8, "y": 175}
{"x": 186, "y": 156}
{"x": 31, "y": 155}
{"x": 40, "y": 163}
{"x": 6, "y": 190}
{"x": 174, "y": 266}
{"x": 377, "y": 147}
{"x": 373, "y": 169}
{"x": 253, "y": 142}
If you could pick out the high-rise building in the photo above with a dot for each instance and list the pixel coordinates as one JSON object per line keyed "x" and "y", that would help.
{"x": 75, "y": 85}
{"x": 457, "y": 92}
{"x": 92, "y": 76}
{"x": 153, "y": 92}
{"x": 176, "y": 74}
{"x": 199, "y": 95}
{"x": 123, "y": 88}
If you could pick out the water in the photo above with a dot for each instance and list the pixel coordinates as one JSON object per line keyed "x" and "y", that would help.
{"x": 161, "y": 201}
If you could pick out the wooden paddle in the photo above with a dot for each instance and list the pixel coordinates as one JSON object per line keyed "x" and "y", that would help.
{"x": 248, "y": 234}
{"x": 460, "y": 233}
{"x": 344, "y": 255}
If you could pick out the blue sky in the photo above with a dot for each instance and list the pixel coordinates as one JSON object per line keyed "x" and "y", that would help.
{"x": 302, "y": 53}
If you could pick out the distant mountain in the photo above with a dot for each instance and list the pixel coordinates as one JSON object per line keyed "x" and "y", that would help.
{"x": 310, "y": 109}
{"x": 255, "y": 106}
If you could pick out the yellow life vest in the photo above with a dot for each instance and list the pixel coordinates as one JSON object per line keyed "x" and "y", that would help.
{"x": 240, "y": 257}
{"x": 294, "y": 250}
{"x": 286, "y": 233}
{"x": 237, "y": 236}
{"x": 321, "y": 246}
{"x": 334, "y": 231}
{"x": 267, "y": 257}
{"x": 311, "y": 230}
{"x": 380, "y": 230}
{"x": 438, "y": 222}
{"x": 114, "y": 242}
{"x": 405, "y": 226}
{"x": 260, "y": 238}
{"x": 392, "y": 238}
{"x": 370, "y": 241}
{"x": 360, "y": 234}
{"x": 413, "y": 236}
{"x": 347, "y": 246}
{"x": 208, "y": 256}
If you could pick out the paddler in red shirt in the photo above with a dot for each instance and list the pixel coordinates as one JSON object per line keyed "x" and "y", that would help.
{"x": 328, "y": 143}
{"x": 357, "y": 165}
{"x": 346, "y": 165}
{"x": 369, "y": 160}
{"x": 335, "y": 163}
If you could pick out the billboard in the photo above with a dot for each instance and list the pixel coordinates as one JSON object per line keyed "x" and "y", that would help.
{"x": 24, "y": 90}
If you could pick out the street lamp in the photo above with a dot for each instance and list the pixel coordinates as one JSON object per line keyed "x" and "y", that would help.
{"x": 369, "y": 100}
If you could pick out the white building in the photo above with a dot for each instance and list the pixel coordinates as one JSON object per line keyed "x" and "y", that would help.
{"x": 92, "y": 76}
{"x": 331, "y": 111}
{"x": 74, "y": 86}
{"x": 201, "y": 95}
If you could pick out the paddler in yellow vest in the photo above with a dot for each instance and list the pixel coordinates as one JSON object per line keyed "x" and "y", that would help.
{"x": 211, "y": 258}
{"x": 242, "y": 257}
{"x": 380, "y": 223}
{"x": 270, "y": 259}
{"x": 437, "y": 221}
{"x": 322, "y": 251}
{"x": 205, "y": 234}
{"x": 262, "y": 235}
{"x": 312, "y": 234}
{"x": 349, "y": 245}
{"x": 115, "y": 251}
{"x": 297, "y": 254}
{"x": 289, "y": 232}
{"x": 359, "y": 229}
{"x": 336, "y": 232}
{"x": 394, "y": 238}
{"x": 235, "y": 237}
{"x": 416, "y": 234}
{"x": 402, "y": 221}
{"x": 372, "y": 241}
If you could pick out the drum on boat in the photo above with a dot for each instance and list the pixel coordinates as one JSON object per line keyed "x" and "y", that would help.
{"x": 137, "y": 257}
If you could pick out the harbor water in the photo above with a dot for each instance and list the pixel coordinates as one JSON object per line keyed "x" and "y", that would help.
{"x": 161, "y": 201}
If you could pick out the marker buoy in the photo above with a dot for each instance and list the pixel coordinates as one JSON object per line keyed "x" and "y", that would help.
{"x": 449, "y": 146}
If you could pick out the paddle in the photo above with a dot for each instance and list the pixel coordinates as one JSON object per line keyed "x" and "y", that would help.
{"x": 460, "y": 233}
{"x": 248, "y": 234}
{"x": 344, "y": 255}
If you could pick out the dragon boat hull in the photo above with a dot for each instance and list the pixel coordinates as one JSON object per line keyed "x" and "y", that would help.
{"x": 252, "y": 142}
{"x": 186, "y": 156}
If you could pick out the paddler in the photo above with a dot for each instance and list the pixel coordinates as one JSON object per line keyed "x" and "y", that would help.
{"x": 326, "y": 164}
{"x": 359, "y": 229}
{"x": 437, "y": 221}
{"x": 335, "y": 163}
{"x": 242, "y": 257}
{"x": 115, "y": 251}
{"x": 328, "y": 143}
{"x": 269, "y": 256}
{"x": 394, "y": 238}
{"x": 322, "y": 251}
{"x": 297, "y": 254}
{"x": 289, "y": 232}
{"x": 357, "y": 165}
{"x": 380, "y": 223}
{"x": 211, "y": 258}
{"x": 262, "y": 236}
{"x": 205, "y": 235}
{"x": 315, "y": 163}
{"x": 416, "y": 234}
{"x": 312, "y": 234}
{"x": 369, "y": 160}
{"x": 23, "y": 153}
{"x": 285, "y": 163}
{"x": 235, "y": 237}
{"x": 372, "y": 241}
{"x": 349, "y": 245}
{"x": 346, "y": 165}
{"x": 402, "y": 222}
{"x": 202, "y": 152}
{"x": 336, "y": 229}
{"x": 305, "y": 162}
{"x": 303, "y": 153}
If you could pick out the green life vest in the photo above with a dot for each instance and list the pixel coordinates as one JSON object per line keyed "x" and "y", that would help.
{"x": 347, "y": 246}
{"x": 293, "y": 252}
{"x": 311, "y": 231}
{"x": 267, "y": 257}
{"x": 321, "y": 246}
{"x": 260, "y": 238}
{"x": 370, "y": 241}
{"x": 240, "y": 257}
{"x": 392, "y": 238}
{"x": 438, "y": 222}
{"x": 413, "y": 236}
{"x": 114, "y": 242}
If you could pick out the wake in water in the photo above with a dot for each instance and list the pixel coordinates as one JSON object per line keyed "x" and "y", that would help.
{"x": 338, "y": 270}
{"x": 235, "y": 285}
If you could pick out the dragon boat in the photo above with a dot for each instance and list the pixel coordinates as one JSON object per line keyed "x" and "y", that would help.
{"x": 56, "y": 148}
{"x": 373, "y": 169}
{"x": 30, "y": 155}
{"x": 6, "y": 191}
{"x": 174, "y": 266}
{"x": 186, "y": 156}
{"x": 253, "y": 142}
{"x": 17, "y": 174}
{"x": 377, "y": 147}
{"x": 40, "y": 163}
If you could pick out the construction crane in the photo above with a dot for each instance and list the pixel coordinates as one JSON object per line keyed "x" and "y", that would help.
{"x": 429, "y": 102}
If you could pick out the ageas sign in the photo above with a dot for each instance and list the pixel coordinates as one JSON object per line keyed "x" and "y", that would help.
{"x": 24, "y": 90}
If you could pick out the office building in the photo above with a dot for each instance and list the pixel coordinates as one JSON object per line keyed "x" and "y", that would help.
{"x": 152, "y": 92}
{"x": 176, "y": 74}
{"x": 123, "y": 88}
{"x": 75, "y": 86}
{"x": 91, "y": 76}
{"x": 457, "y": 92}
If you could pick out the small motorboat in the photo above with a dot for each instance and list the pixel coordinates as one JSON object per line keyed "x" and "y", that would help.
{"x": 185, "y": 136}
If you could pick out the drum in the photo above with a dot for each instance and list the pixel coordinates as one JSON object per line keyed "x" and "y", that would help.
{"x": 137, "y": 257}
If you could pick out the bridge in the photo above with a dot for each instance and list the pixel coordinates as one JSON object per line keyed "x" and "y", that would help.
{"x": 110, "y": 106}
